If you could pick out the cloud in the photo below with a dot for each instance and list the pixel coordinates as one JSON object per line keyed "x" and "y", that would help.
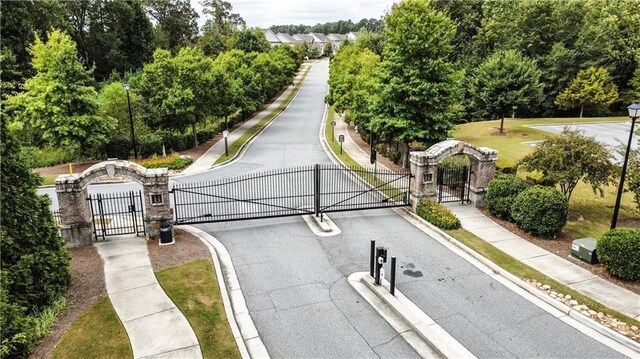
{"x": 309, "y": 12}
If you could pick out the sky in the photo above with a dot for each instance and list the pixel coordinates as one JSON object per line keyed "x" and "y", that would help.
{"x": 264, "y": 13}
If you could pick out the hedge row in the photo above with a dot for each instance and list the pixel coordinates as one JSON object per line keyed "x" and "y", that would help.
{"x": 150, "y": 144}
{"x": 619, "y": 252}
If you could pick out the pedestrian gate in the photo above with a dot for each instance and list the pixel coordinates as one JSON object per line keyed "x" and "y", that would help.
{"x": 117, "y": 213}
{"x": 297, "y": 191}
{"x": 453, "y": 183}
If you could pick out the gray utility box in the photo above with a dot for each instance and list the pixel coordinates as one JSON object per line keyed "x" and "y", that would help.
{"x": 585, "y": 249}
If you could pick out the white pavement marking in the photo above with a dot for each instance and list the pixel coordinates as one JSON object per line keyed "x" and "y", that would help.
{"x": 244, "y": 331}
{"x": 155, "y": 326}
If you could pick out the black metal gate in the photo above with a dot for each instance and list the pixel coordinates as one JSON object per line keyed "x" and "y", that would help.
{"x": 290, "y": 192}
{"x": 453, "y": 183}
{"x": 117, "y": 213}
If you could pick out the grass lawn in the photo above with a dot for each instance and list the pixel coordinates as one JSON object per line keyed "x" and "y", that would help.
{"x": 523, "y": 271}
{"x": 193, "y": 287}
{"x": 596, "y": 210}
{"x": 510, "y": 144}
{"x": 237, "y": 145}
{"x": 48, "y": 179}
{"x": 97, "y": 333}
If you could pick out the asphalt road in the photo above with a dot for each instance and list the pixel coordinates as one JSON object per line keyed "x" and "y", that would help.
{"x": 295, "y": 283}
{"x": 612, "y": 135}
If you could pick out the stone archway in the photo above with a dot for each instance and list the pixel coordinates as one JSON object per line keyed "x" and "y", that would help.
{"x": 75, "y": 212}
{"x": 424, "y": 166}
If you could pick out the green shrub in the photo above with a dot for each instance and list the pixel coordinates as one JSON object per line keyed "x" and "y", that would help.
{"x": 501, "y": 193}
{"x": 48, "y": 156}
{"x": 172, "y": 162}
{"x": 150, "y": 144}
{"x": 394, "y": 156}
{"x": 118, "y": 147}
{"x": 619, "y": 252}
{"x": 540, "y": 210}
{"x": 507, "y": 169}
{"x": 437, "y": 215}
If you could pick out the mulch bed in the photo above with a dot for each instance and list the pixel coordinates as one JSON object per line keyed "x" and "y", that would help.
{"x": 87, "y": 286}
{"x": 186, "y": 248}
{"x": 561, "y": 246}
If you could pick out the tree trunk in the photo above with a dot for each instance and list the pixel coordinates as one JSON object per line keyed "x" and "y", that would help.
{"x": 195, "y": 134}
{"x": 581, "y": 110}
{"x": 405, "y": 160}
{"x": 502, "y": 124}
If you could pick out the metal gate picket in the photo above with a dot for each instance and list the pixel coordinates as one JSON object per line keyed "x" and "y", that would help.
{"x": 453, "y": 183}
{"x": 117, "y": 214}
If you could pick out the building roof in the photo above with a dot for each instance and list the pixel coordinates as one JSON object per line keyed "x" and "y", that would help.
{"x": 306, "y": 38}
{"x": 337, "y": 37}
{"x": 319, "y": 37}
{"x": 271, "y": 37}
{"x": 287, "y": 39}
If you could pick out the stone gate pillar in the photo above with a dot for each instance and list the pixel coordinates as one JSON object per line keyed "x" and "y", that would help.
{"x": 424, "y": 166}
{"x": 156, "y": 200}
{"x": 75, "y": 213}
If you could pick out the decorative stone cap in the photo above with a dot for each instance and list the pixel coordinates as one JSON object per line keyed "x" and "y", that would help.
{"x": 111, "y": 168}
{"x": 440, "y": 150}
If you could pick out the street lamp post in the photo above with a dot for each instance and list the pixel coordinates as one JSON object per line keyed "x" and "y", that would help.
{"x": 133, "y": 135}
{"x": 634, "y": 113}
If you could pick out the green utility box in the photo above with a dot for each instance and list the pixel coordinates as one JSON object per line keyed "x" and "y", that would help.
{"x": 585, "y": 249}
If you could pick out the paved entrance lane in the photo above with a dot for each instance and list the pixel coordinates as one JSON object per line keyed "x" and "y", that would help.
{"x": 301, "y": 304}
{"x": 487, "y": 318}
{"x": 612, "y": 135}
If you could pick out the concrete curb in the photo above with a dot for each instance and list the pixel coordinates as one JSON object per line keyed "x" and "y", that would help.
{"x": 244, "y": 331}
{"x": 570, "y": 316}
{"x": 585, "y": 325}
{"x": 326, "y": 228}
{"x": 416, "y": 320}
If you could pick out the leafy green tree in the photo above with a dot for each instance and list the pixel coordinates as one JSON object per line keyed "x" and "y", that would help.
{"x": 113, "y": 103}
{"x": 119, "y": 37}
{"x": 177, "y": 22}
{"x": 420, "y": 86}
{"x": 21, "y": 22}
{"x": 237, "y": 65}
{"x": 314, "y": 52}
{"x": 569, "y": 158}
{"x": 327, "y": 49}
{"x": 59, "y": 104}
{"x": 373, "y": 41}
{"x": 504, "y": 84}
{"x": 249, "y": 40}
{"x": 217, "y": 30}
{"x": 179, "y": 92}
{"x": 353, "y": 84}
{"x": 592, "y": 88}
{"x": 34, "y": 261}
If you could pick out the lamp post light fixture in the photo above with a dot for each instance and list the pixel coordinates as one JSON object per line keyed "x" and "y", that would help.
{"x": 133, "y": 135}
{"x": 634, "y": 113}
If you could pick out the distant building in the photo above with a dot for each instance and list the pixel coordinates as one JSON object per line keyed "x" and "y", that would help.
{"x": 313, "y": 39}
{"x": 336, "y": 40}
{"x": 271, "y": 37}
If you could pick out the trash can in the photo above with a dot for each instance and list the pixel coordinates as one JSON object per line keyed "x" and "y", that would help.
{"x": 166, "y": 234}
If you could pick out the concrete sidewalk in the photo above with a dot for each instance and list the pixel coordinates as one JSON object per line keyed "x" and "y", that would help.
{"x": 207, "y": 160}
{"x": 542, "y": 260}
{"x": 547, "y": 263}
{"x": 155, "y": 326}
